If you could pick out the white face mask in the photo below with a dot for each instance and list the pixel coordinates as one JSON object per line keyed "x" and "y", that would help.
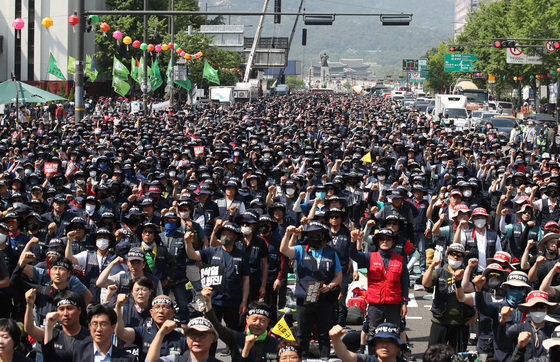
{"x": 172, "y": 173}
{"x": 102, "y": 244}
{"x": 290, "y": 191}
{"x": 381, "y": 178}
{"x": 460, "y": 173}
{"x": 246, "y": 230}
{"x": 467, "y": 193}
{"x": 92, "y": 173}
{"x": 537, "y": 317}
{"x": 90, "y": 209}
{"x": 480, "y": 223}
{"x": 455, "y": 264}
{"x": 3, "y": 238}
{"x": 184, "y": 214}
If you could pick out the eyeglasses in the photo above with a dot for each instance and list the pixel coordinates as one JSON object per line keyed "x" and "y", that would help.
{"x": 334, "y": 217}
{"x": 148, "y": 231}
{"x": 456, "y": 255}
{"x": 103, "y": 325}
{"x": 385, "y": 240}
{"x": 528, "y": 212}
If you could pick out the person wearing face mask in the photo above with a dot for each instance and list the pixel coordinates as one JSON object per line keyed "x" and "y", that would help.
{"x": 449, "y": 315}
{"x": 35, "y": 226}
{"x": 92, "y": 263}
{"x": 77, "y": 231}
{"x": 230, "y": 206}
{"x": 319, "y": 276}
{"x": 206, "y": 211}
{"x": 173, "y": 238}
{"x": 257, "y": 252}
{"x": 530, "y": 334}
{"x": 159, "y": 261}
{"x": 480, "y": 241}
{"x": 517, "y": 234}
{"x": 277, "y": 263}
{"x": 548, "y": 246}
{"x": 504, "y": 313}
{"x": 548, "y": 208}
{"x": 231, "y": 301}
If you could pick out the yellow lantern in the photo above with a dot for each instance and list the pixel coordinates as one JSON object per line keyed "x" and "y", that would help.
{"x": 127, "y": 40}
{"x": 164, "y": 47}
{"x": 47, "y": 22}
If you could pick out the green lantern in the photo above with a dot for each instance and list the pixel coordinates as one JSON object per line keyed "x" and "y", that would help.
{"x": 94, "y": 19}
{"x": 143, "y": 46}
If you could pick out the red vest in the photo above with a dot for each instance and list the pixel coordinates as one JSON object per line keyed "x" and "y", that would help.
{"x": 384, "y": 286}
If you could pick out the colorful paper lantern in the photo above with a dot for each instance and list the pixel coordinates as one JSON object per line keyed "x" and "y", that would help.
{"x": 514, "y": 78}
{"x": 164, "y": 47}
{"x": 531, "y": 76}
{"x": 520, "y": 78}
{"x": 188, "y": 56}
{"x": 73, "y": 19}
{"x": 178, "y": 50}
{"x": 136, "y": 44}
{"x": 127, "y": 40}
{"x": 158, "y": 48}
{"x": 104, "y": 27}
{"x": 182, "y": 54}
{"x": 196, "y": 56}
{"x": 176, "y": 46}
{"x": 171, "y": 46}
{"x": 117, "y": 34}
{"x": 94, "y": 19}
{"x": 47, "y": 22}
{"x": 150, "y": 47}
{"x": 18, "y": 23}
{"x": 143, "y": 46}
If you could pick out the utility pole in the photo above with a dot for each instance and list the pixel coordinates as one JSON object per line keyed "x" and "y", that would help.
{"x": 79, "y": 74}
{"x": 281, "y": 73}
{"x": 255, "y": 43}
{"x": 172, "y": 52}
{"x": 145, "y": 65}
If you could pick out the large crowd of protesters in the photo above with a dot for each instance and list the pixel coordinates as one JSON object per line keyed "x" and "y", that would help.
{"x": 149, "y": 237}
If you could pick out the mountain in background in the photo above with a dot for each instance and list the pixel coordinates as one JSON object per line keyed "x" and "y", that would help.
{"x": 353, "y": 37}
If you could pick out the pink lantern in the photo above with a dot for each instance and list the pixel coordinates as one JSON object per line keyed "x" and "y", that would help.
{"x": 197, "y": 55}
{"x": 18, "y": 23}
{"x": 73, "y": 19}
{"x": 117, "y": 34}
{"x": 158, "y": 48}
{"x": 182, "y": 54}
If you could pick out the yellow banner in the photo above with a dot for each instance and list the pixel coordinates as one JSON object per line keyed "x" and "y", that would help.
{"x": 281, "y": 329}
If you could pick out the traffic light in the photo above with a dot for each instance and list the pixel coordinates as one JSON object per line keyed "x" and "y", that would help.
{"x": 504, "y": 44}
{"x": 303, "y": 37}
{"x": 456, "y": 48}
{"x": 277, "y": 9}
{"x": 318, "y": 19}
{"x": 89, "y": 24}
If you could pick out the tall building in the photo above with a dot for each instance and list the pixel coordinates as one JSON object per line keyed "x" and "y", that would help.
{"x": 26, "y": 52}
{"x": 462, "y": 11}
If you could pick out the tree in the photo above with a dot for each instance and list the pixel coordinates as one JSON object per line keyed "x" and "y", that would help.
{"x": 294, "y": 82}
{"x": 439, "y": 79}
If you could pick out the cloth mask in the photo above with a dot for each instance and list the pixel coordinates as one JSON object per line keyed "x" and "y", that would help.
{"x": 102, "y": 244}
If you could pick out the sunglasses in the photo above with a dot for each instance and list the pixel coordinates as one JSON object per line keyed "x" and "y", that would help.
{"x": 456, "y": 255}
{"x": 335, "y": 217}
{"x": 148, "y": 231}
{"x": 391, "y": 223}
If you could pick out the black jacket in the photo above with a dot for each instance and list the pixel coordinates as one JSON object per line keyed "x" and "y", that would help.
{"x": 83, "y": 352}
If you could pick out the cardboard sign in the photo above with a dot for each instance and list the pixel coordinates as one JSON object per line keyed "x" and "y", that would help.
{"x": 312, "y": 293}
{"x": 198, "y": 151}
{"x": 51, "y": 167}
{"x": 212, "y": 276}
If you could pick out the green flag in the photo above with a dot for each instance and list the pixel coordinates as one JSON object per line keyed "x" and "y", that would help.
{"x": 154, "y": 77}
{"x": 210, "y": 73}
{"x": 168, "y": 72}
{"x": 54, "y": 70}
{"x": 134, "y": 73}
{"x": 184, "y": 83}
{"x": 71, "y": 67}
{"x": 90, "y": 70}
{"x": 120, "y": 86}
{"x": 119, "y": 69}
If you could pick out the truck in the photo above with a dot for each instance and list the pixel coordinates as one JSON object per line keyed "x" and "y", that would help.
{"x": 282, "y": 89}
{"x": 451, "y": 108}
{"x": 246, "y": 91}
{"x": 477, "y": 99}
{"x": 223, "y": 95}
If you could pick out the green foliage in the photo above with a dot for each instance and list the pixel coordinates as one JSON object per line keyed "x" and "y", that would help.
{"x": 71, "y": 94}
{"x": 62, "y": 90}
{"x": 294, "y": 82}
{"x": 504, "y": 19}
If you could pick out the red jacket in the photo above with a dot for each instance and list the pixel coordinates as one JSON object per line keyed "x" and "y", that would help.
{"x": 384, "y": 286}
